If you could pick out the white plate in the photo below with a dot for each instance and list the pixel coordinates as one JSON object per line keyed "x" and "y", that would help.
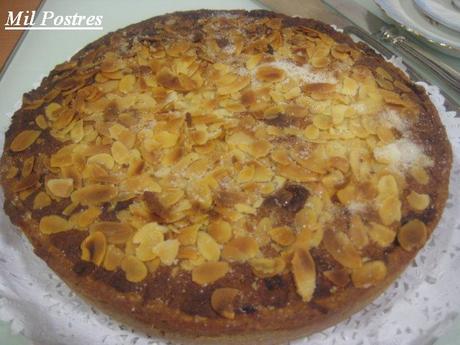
{"x": 409, "y": 16}
{"x": 442, "y": 11}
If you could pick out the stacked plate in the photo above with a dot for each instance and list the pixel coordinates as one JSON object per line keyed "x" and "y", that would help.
{"x": 437, "y": 21}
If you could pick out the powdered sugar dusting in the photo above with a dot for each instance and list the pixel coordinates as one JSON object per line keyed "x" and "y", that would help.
{"x": 356, "y": 207}
{"x": 402, "y": 154}
{"x": 395, "y": 119}
{"x": 304, "y": 73}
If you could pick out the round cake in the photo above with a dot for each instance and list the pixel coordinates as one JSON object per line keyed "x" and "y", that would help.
{"x": 227, "y": 176}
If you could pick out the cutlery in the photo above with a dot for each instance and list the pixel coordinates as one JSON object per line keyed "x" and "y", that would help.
{"x": 318, "y": 10}
{"x": 377, "y": 28}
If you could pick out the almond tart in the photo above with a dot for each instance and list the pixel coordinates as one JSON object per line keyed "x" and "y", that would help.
{"x": 227, "y": 176}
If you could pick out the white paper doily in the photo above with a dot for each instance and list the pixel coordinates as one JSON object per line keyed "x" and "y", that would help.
{"x": 415, "y": 310}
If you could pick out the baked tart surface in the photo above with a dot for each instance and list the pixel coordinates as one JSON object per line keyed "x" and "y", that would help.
{"x": 227, "y": 173}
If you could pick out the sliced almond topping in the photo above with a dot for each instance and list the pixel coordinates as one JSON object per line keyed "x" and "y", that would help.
{"x": 41, "y": 200}
{"x": 167, "y": 251}
{"x": 358, "y": 232}
{"x": 51, "y": 110}
{"x": 166, "y": 139}
{"x": 148, "y": 237}
{"x": 340, "y": 247}
{"x": 209, "y": 272}
{"x": 188, "y": 234}
{"x": 61, "y": 187}
{"x": 103, "y": 159}
{"x": 85, "y": 218}
{"x": 208, "y": 247}
{"x": 53, "y": 224}
{"x": 387, "y": 186}
{"x": 259, "y": 149}
{"x": 369, "y": 274}
{"x": 222, "y": 300}
{"x": 267, "y": 267}
{"x": 381, "y": 234}
{"x": 304, "y": 272}
{"x": 116, "y": 233}
{"x": 23, "y": 140}
{"x": 63, "y": 157}
{"x": 339, "y": 277}
{"x": 240, "y": 249}
{"x": 420, "y": 175}
{"x": 246, "y": 174}
{"x": 188, "y": 253}
{"x": 126, "y": 83}
{"x": 113, "y": 258}
{"x": 220, "y": 230}
{"x": 417, "y": 201}
{"x": 94, "y": 247}
{"x": 270, "y": 74}
{"x": 412, "y": 235}
{"x": 120, "y": 153}
{"x": 94, "y": 194}
{"x": 135, "y": 270}
{"x": 390, "y": 210}
{"x": 283, "y": 235}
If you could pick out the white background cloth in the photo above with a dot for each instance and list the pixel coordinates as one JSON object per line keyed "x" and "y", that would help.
{"x": 414, "y": 310}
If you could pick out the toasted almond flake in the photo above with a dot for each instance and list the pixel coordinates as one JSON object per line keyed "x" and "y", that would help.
{"x": 51, "y": 110}
{"x": 41, "y": 200}
{"x": 381, "y": 234}
{"x": 246, "y": 174}
{"x": 208, "y": 247}
{"x": 270, "y": 74}
{"x": 341, "y": 248}
{"x": 167, "y": 251}
{"x": 120, "y": 153}
{"x": 113, "y": 258}
{"x": 209, "y": 272}
{"x": 126, "y": 83}
{"x": 417, "y": 201}
{"x": 222, "y": 300}
{"x": 103, "y": 159}
{"x": 135, "y": 270}
{"x": 304, "y": 272}
{"x": 85, "y": 218}
{"x": 420, "y": 175}
{"x": 53, "y": 224}
{"x": 63, "y": 157}
{"x": 339, "y": 277}
{"x": 94, "y": 247}
{"x": 240, "y": 249}
{"x": 358, "y": 232}
{"x": 369, "y": 274}
{"x": 94, "y": 194}
{"x": 188, "y": 234}
{"x": 220, "y": 230}
{"x": 267, "y": 267}
{"x": 387, "y": 186}
{"x": 166, "y": 139}
{"x": 390, "y": 210}
{"x": 23, "y": 140}
{"x": 413, "y": 235}
{"x": 116, "y": 232}
{"x": 41, "y": 122}
{"x": 282, "y": 235}
{"x": 61, "y": 187}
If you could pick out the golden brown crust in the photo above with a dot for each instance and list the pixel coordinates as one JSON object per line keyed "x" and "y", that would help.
{"x": 272, "y": 308}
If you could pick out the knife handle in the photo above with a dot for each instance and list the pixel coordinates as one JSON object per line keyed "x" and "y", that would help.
{"x": 364, "y": 36}
{"x": 377, "y": 45}
{"x": 440, "y": 68}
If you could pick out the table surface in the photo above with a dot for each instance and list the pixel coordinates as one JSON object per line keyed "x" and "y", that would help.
{"x": 35, "y": 41}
